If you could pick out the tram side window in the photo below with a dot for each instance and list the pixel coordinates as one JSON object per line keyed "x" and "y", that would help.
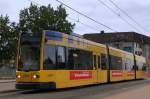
{"x": 129, "y": 64}
{"x": 103, "y": 62}
{"x": 116, "y": 63}
{"x": 144, "y": 67}
{"x": 61, "y": 60}
{"x": 70, "y": 58}
{"x": 141, "y": 66}
{"x": 79, "y": 59}
{"x": 86, "y": 60}
{"x": 137, "y": 65}
{"x": 49, "y": 57}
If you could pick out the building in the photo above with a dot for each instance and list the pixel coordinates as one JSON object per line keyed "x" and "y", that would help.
{"x": 128, "y": 41}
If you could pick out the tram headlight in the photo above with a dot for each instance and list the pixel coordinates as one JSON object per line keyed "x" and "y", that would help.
{"x": 35, "y": 76}
{"x": 18, "y": 76}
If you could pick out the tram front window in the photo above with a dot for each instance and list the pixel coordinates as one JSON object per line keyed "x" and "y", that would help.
{"x": 29, "y": 58}
{"x": 29, "y": 53}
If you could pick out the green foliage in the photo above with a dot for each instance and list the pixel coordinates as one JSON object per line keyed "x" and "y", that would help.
{"x": 8, "y": 38}
{"x": 36, "y": 19}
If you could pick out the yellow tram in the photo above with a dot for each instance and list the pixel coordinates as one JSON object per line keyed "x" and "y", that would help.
{"x": 54, "y": 60}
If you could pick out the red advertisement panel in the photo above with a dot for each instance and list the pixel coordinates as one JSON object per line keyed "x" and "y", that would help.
{"x": 116, "y": 73}
{"x": 75, "y": 75}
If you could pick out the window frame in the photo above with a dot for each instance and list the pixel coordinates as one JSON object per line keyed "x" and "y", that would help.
{"x": 94, "y": 61}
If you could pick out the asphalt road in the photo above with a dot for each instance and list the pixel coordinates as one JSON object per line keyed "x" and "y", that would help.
{"x": 88, "y": 92}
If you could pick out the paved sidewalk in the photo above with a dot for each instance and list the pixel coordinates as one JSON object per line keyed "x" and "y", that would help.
{"x": 137, "y": 93}
{"x": 7, "y": 86}
{"x": 7, "y": 81}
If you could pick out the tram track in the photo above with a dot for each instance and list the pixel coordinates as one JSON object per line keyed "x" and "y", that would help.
{"x": 13, "y": 92}
{"x": 78, "y": 92}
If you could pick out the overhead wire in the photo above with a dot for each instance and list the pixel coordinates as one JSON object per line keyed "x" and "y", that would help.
{"x": 87, "y": 16}
{"x": 100, "y": 1}
{"x": 123, "y": 11}
{"x": 100, "y": 22}
{"x": 78, "y": 21}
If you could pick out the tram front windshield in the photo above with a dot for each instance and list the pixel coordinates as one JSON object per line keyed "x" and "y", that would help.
{"x": 29, "y": 57}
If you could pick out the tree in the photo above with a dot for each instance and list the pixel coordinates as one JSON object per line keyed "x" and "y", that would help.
{"x": 8, "y": 39}
{"x": 42, "y": 18}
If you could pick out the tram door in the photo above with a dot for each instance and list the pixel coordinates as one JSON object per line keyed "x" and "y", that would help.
{"x": 102, "y": 69}
{"x": 98, "y": 69}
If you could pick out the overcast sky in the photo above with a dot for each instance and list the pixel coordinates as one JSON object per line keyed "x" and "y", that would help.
{"x": 137, "y": 9}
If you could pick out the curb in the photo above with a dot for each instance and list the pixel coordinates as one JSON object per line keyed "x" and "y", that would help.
{"x": 8, "y": 81}
{"x": 7, "y": 91}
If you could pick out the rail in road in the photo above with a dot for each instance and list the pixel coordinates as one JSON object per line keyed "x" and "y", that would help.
{"x": 84, "y": 92}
